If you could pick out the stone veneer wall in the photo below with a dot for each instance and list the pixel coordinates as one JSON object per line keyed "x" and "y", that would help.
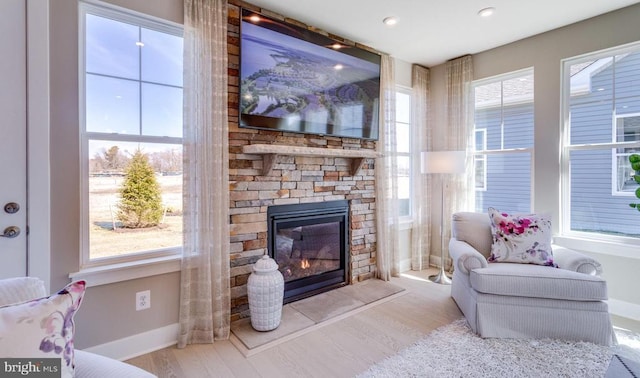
{"x": 293, "y": 179}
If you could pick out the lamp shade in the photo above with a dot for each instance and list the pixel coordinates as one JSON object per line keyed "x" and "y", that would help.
{"x": 443, "y": 162}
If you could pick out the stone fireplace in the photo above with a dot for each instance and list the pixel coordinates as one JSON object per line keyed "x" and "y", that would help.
{"x": 272, "y": 168}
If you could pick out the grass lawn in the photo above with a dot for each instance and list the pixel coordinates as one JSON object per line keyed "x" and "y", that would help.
{"x": 105, "y": 241}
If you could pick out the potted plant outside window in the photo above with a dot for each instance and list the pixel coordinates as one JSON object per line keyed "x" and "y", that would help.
{"x": 634, "y": 159}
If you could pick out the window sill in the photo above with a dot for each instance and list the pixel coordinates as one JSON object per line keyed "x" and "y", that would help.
{"x": 107, "y": 274}
{"x": 406, "y": 223}
{"x": 597, "y": 246}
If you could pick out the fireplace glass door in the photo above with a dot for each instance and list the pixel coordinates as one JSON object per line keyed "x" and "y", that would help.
{"x": 309, "y": 246}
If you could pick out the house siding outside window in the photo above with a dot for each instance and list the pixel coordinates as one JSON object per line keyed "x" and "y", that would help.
{"x": 602, "y": 108}
{"x": 503, "y": 120}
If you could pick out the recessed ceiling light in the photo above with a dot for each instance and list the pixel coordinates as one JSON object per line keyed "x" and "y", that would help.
{"x": 336, "y": 46}
{"x": 486, "y": 12}
{"x": 390, "y": 21}
{"x": 254, "y": 18}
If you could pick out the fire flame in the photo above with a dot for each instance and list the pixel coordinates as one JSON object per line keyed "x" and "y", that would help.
{"x": 304, "y": 264}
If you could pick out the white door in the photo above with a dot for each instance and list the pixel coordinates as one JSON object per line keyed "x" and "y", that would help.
{"x": 13, "y": 145}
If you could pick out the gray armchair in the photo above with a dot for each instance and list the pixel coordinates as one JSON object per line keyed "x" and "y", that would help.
{"x": 508, "y": 300}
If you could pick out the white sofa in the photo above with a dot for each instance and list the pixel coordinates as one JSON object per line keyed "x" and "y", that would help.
{"x": 87, "y": 365}
{"x": 509, "y": 300}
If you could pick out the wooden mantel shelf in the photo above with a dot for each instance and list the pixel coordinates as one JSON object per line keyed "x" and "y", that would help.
{"x": 271, "y": 151}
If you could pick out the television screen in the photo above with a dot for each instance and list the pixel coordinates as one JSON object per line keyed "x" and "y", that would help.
{"x": 296, "y": 80}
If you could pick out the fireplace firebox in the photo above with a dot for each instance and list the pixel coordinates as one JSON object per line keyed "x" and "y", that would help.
{"x": 310, "y": 244}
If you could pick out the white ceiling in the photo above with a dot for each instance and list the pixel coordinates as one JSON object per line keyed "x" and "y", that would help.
{"x": 429, "y": 32}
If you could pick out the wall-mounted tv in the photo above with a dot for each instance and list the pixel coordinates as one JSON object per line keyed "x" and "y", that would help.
{"x": 296, "y": 80}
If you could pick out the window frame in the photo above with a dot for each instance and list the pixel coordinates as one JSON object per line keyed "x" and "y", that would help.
{"x": 615, "y": 155}
{"x": 142, "y": 21}
{"x": 566, "y": 235}
{"x": 481, "y": 158}
{"x": 504, "y": 151}
{"x": 409, "y": 92}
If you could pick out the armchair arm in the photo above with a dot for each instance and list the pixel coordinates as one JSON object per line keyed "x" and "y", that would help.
{"x": 575, "y": 261}
{"x": 465, "y": 257}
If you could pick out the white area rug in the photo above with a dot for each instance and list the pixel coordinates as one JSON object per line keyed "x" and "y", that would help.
{"x": 455, "y": 351}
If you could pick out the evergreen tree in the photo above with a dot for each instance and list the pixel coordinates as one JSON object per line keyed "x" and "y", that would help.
{"x": 140, "y": 196}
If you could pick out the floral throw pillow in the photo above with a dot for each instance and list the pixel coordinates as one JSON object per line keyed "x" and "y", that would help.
{"x": 521, "y": 238}
{"x": 42, "y": 328}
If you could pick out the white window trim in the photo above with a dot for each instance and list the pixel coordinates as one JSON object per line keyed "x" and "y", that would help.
{"x": 408, "y": 219}
{"x": 614, "y": 158}
{"x": 116, "y": 268}
{"x": 590, "y": 242}
{"x": 480, "y": 156}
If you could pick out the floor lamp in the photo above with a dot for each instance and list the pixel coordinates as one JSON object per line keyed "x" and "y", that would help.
{"x": 442, "y": 163}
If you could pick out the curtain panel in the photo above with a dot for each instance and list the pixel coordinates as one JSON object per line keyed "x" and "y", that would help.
{"x": 460, "y": 195}
{"x": 420, "y": 141}
{"x": 204, "y": 293}
{"x": 386, "y": 174}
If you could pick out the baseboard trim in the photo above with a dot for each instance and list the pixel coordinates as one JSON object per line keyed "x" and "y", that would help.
{"x": 624, "y": 309}
{"x": 139, "y": 344}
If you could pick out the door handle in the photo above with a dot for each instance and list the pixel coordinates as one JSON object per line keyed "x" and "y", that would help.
{"x": 11, "y": 232}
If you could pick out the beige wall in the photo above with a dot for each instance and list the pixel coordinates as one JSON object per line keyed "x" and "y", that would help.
{"x": 108, "y": 311}
{"x": 544, "y": 53}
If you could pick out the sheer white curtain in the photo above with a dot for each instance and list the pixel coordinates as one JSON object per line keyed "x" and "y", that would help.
{"x": 205, "y": 294}
{"x": 460, "y": 195}
{"x": 420, "y": 141}
{"x": 386, "y": 174}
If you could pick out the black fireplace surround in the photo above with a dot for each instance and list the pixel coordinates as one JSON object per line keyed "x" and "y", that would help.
{"x": 310, "y": 243}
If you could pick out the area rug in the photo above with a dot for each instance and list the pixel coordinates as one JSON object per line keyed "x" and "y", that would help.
{"x": 455, "y": 351}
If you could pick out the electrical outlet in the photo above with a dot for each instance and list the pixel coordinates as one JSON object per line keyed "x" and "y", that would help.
{"x": 143, "y": 300}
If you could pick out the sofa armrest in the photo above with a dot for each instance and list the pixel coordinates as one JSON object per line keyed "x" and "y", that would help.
{"x": 465, "y": 257}
{"x": 575, "y": 261}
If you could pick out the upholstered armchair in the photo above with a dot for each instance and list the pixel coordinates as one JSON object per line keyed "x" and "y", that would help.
{"x": 514, "y": 300}
{"x": 25, "y": 299}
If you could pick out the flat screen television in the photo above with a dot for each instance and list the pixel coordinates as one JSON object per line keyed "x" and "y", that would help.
{"x": 295, "y": 80}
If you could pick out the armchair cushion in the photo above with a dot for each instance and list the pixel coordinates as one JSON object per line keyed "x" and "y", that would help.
{"x": 524, "y": 238}
{"x": 535, "y": 281}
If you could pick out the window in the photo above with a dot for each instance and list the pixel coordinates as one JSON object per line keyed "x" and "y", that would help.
{"x": 131, "y": 136}
{"x": 601, "y": 103}
{"x": 627, "y": 129}
{"x": 480, "y": 160}
{"x": 503, "y": 119}
{"x": 403, "y": 148}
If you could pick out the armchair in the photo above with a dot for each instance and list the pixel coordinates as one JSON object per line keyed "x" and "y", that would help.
{"x": 14, "y": 291}
{"x": 510, "y": 300}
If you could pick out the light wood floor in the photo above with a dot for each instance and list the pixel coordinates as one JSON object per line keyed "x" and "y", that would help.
{"x": 340, "y": 349}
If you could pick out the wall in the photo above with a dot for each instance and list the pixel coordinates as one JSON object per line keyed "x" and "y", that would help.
{"x": 108, "y": 307}
{"x": 108, "y": 311}
{"x": 544, "y": 52}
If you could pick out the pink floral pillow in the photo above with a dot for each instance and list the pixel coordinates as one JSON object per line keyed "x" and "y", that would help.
{"x": 521, "y": 238}
{"x": 42, "y": 328}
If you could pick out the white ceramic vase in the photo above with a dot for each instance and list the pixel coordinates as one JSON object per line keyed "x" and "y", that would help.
{"x": 265, "y": 289}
